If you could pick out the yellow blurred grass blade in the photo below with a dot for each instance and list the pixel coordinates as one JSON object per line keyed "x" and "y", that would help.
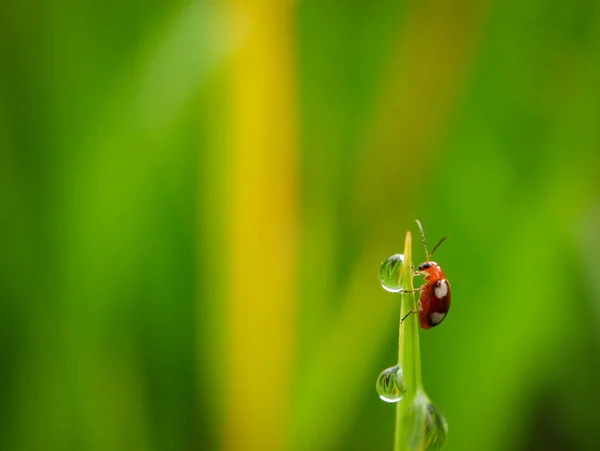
{"x": 262, "y": 236}
{"x": 435, "y": 47}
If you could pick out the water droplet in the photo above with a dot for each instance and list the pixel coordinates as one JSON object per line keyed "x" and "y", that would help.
{"x": 436, "y": 428}
{"x": 430, "y": 429}
{"x": 390, "y": 384}
{"x": 390, "y": 272}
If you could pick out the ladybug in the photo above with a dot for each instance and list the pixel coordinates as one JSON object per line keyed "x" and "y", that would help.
{"x": 434, "y": 299}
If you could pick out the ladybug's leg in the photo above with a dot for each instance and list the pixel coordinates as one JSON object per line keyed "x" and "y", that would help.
{"x": 415, "y": 272}
{"x": 408, "y": 314}
{"x": 416, "y": 290}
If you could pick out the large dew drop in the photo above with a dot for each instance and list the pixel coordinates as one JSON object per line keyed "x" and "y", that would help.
{"x": 430, "y": 429}
{"x": 436, "y": 429}
{"x": 390, "y": 272}
{"x": 390, "y": 384}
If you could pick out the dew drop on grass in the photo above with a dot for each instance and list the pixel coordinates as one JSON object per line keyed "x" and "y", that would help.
{"x": 430, "y": 429}
{"x": 436, "y": 428}
{"x": 390, "y": 384}
{"x": 390, "y": 272}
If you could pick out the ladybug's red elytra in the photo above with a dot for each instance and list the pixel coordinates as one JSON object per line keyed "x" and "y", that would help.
{"x": 434, "y": 299}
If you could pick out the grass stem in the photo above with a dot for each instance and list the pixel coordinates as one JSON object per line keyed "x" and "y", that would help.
{"x": 409, "y": 356}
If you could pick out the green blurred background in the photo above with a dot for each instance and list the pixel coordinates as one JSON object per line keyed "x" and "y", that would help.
{"x": 196, "y": 198}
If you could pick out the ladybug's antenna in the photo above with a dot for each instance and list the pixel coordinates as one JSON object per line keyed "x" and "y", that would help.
{"x": 437, "y": 245}
{"x": 423, "y": 239}
{"x": 427, "y": 254}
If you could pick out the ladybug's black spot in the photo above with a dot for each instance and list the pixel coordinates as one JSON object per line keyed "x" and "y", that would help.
{"x": 424, "y": 266}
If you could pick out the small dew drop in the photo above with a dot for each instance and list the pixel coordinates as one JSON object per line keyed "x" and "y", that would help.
{"x": 390, "y": 384}
{"x": 390, "y": 272}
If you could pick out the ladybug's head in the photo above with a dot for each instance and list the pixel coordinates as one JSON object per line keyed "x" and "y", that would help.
{"x": 431, "y": 270}
{"x": 427, "y": 265}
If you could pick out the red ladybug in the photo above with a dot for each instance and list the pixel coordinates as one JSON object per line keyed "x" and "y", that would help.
{"x": 434, "y": 300}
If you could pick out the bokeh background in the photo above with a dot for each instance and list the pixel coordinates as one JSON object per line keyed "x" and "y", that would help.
{"x": 196, "y": 198}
